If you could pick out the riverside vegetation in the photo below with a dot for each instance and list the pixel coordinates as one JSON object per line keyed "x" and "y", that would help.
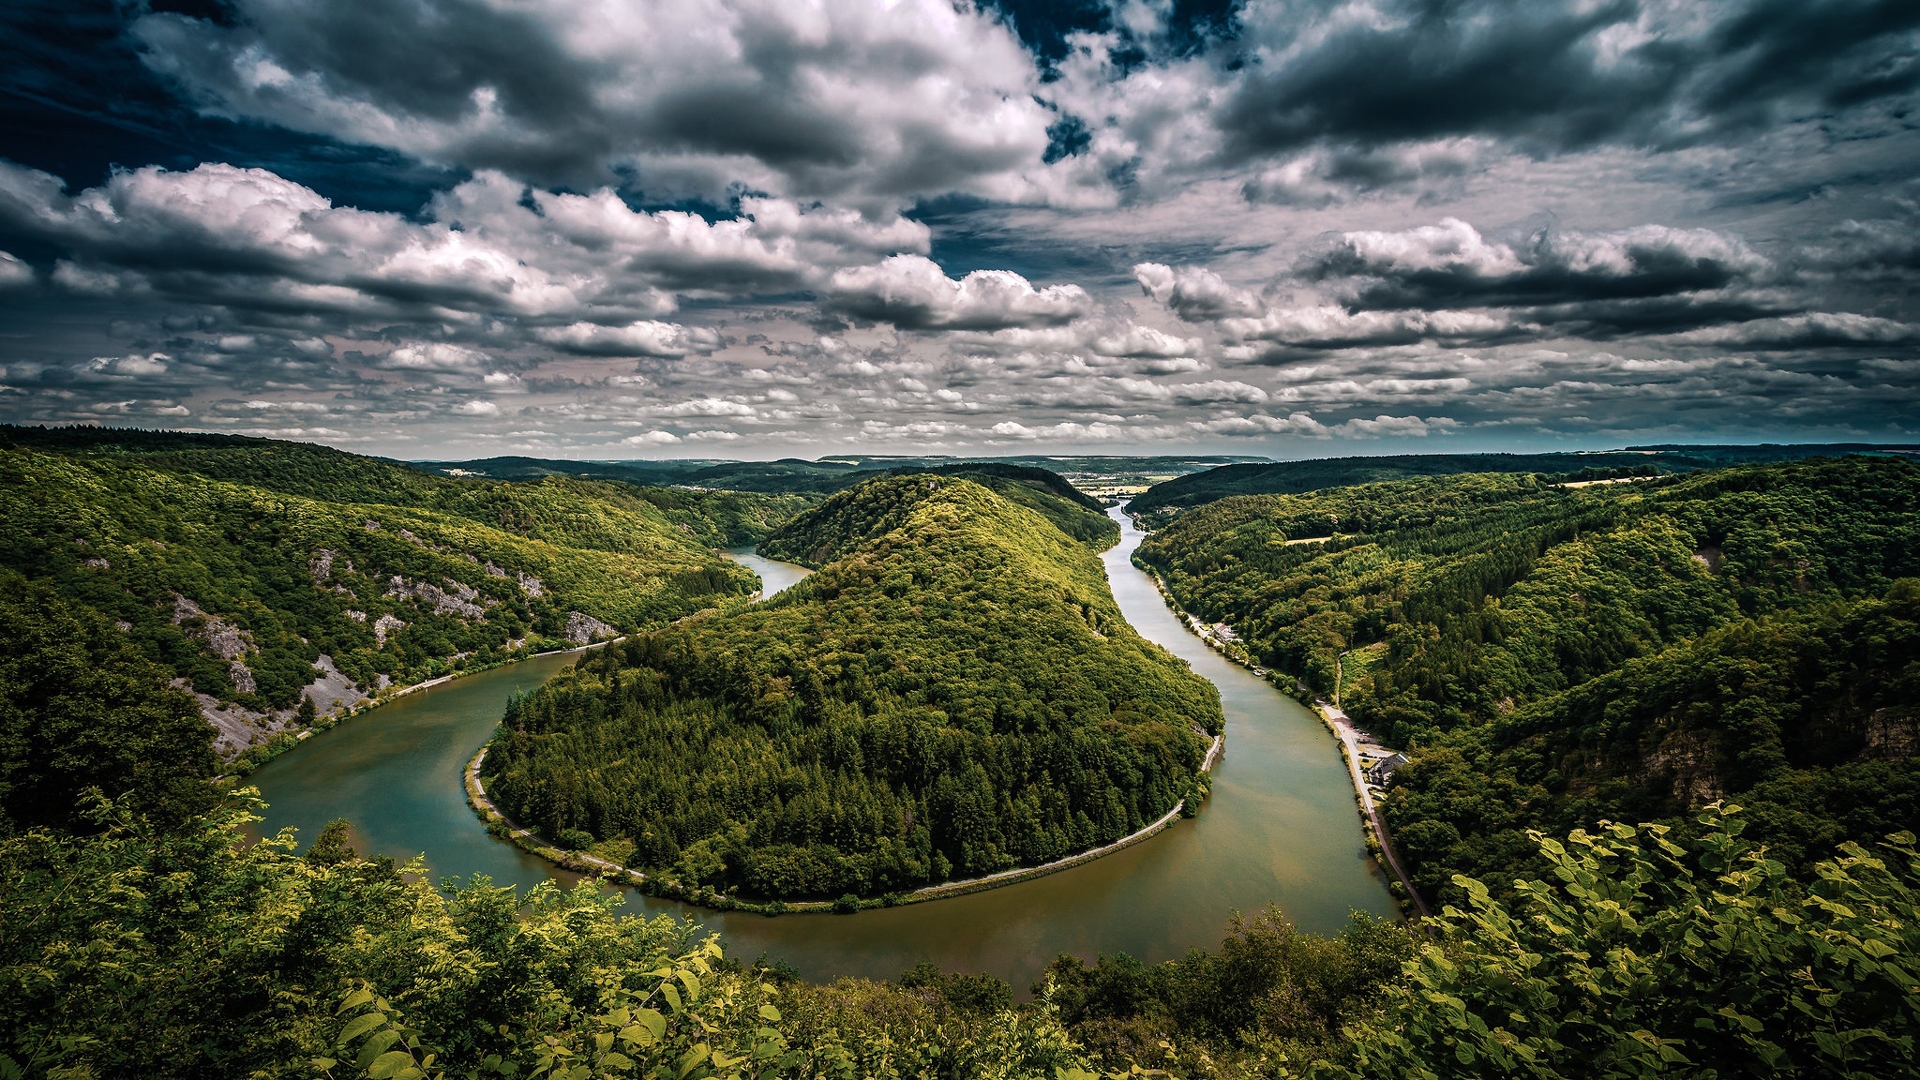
{"x": 1556, "y": 656}
{"x": 140, "y": 569}
{"x": 142, "y": 936}
{"x": 953, "y": 693}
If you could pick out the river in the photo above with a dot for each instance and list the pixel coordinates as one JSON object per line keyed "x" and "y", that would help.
{"x": 1280, "y": 828}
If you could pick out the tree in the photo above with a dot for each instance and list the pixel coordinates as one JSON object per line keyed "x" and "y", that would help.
{"x": 1647, "y": 958}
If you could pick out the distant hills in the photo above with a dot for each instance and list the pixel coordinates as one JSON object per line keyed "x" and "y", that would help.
{"x": 823, "y": 476}
{"x": 1295, "y": 477}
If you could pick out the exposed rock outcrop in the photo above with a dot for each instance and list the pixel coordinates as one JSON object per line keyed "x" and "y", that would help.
{"x": 583, "y": 628}
{"x": 220, "y": 637}
{"x": 458, "y": 602}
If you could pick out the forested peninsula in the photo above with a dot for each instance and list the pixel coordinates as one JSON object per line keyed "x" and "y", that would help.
{"x": 1553, "y": 655}
{"x": 951, "y": 694}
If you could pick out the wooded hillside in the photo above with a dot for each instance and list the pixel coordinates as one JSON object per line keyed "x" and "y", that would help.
{"x": 1555, "y": 655}
{"x": 953, "y": 693}
{"x": 280, "y": 581}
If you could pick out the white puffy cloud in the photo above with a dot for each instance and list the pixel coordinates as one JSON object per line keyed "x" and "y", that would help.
{"x": 1195, "y": 293}
{"x": 643, "y": 338}
{"x": 1332, "y": 326}
{"x": 1065, "y": 431}
{"x": 14, "y": 272}
{"x": 134, "y": 366}
{"x": 1452, "y": 264}
{"x": 651, "y": 438}
{"x": 1814, "y": 329}
{"x": 1389, "y": 426}
{"x": 706, "y": 406}
{"x": 249, "y": 239}
{"x": 913, "y": 293}
{"x": 435, "y": 356}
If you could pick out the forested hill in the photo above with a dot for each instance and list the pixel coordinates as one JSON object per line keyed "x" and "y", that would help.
{"x": 852, "y": 518}
{"x": 951, "y": 694}
{"x": 266, "y": 577}
{"x": 1553, "y": 656}
{"x": 1297, "y": 477}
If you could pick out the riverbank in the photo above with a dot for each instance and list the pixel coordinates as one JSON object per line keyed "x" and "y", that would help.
{"x": 502, "y": 827}
{"x": 287, "y": 740}
{"x": 1378, "y": 842}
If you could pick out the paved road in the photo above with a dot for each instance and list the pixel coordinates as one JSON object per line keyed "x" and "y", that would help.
{"x": 1350, "y": 741}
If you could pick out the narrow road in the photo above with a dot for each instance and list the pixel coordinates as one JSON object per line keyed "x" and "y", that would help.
{"x": 1350, "y": 745}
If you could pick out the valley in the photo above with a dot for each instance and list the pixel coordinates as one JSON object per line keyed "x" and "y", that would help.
{"x": 935, "y": 679}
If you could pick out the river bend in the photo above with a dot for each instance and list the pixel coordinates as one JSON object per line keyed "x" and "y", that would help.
{"x": 1280, "y": 827}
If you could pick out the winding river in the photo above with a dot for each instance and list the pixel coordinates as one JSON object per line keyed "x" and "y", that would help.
{"x": 1280, "y": 828}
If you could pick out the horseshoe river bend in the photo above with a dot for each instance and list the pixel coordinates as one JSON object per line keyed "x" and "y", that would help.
{"x": 1280, "y": 828}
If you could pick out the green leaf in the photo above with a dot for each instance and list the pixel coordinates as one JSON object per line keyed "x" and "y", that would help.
{"x": 388, "y": 1065}
{"x": 375, "y": 1046}
{"x": 652, "y": 1021}
{"x": 359, "y": 1026}
{"x": 692, "y": 984}
{"x": 354, "y": 1000}
{"x": 690, "y": 1061}
{"x": 770, "y": 1014}
{"x": 673, "y": 997}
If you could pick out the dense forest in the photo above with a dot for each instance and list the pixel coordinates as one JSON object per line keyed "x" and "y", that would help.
{"x": 953, "y": 693}
{"x": 142, "y": 935}
{"x": 133, "y": 950}
{"x": 1552, "y": 656}
{"x": 278, "y": 582}
{"x": 1161, "y": 502}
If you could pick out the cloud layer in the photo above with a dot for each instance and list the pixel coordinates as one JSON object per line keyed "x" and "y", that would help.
{"x": 741, "y": 227}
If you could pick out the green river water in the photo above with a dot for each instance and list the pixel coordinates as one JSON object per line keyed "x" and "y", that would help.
{"x": 1280, "y": 828}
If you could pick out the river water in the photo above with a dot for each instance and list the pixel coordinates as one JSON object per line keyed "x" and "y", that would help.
{"x": 1280, "y": 828}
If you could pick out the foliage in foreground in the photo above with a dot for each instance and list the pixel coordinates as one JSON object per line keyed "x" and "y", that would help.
{"x": 134, "y": 953}
{"x": 1644, "y": 958}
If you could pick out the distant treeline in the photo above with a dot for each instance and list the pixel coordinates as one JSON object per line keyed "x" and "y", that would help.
{"x": 820, "y": 477}
{"x": 1298, "y": 477}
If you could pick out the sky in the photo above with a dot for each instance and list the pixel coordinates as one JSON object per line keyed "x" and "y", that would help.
{"x": 755, "y": 228}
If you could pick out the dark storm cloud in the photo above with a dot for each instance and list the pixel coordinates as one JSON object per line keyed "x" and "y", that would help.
{"x": 1553, "y": 76}
{"x": 691, "y": 97}
{"x": 76, "y": 101}
{"x": 663, "y": 225}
